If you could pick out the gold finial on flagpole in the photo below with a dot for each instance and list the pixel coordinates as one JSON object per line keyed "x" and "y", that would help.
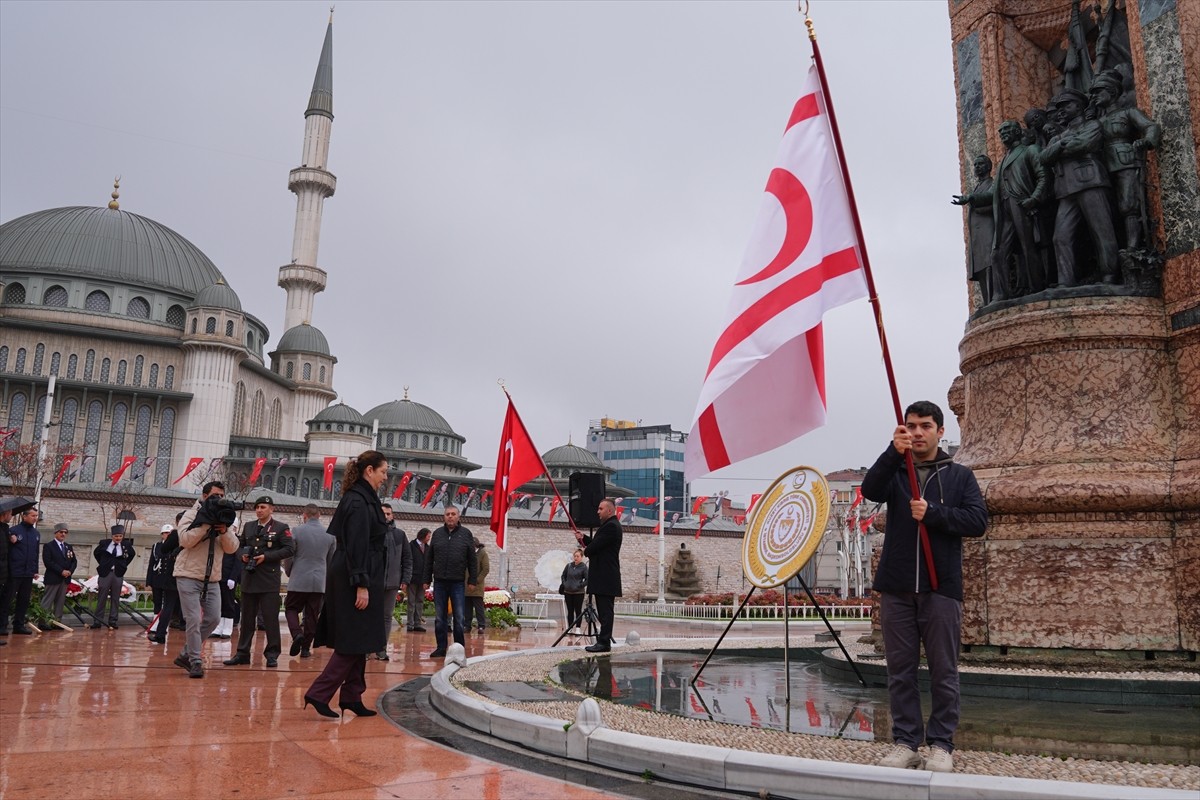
{"x": 802, "y": 7}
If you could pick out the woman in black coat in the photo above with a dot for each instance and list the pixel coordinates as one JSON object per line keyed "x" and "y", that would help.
{"x": 352, "y": 621}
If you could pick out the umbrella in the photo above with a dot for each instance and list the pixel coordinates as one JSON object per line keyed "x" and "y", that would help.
{"x": 16, "y": 504}
{"x": 548, "y": 571}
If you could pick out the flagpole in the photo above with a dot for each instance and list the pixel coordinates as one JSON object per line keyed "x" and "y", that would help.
{"x": 873, "y": 296}
{"x": 662, "y": 522}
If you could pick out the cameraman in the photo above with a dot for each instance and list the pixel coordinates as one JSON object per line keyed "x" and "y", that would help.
{"x": 199, "y": 534}
{"x": 265, "y": 542}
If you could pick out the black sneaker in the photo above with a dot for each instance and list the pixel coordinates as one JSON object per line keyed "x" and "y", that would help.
{"x": 297, "y": 645}
{"x": 272, "y": 663}
{"x": 182, "y": 661}
{"x": 438, "y": 654}
{"x": 196, "y": 669}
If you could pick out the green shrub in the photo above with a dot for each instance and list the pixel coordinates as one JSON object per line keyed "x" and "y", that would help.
{"x": 502, "y": 618}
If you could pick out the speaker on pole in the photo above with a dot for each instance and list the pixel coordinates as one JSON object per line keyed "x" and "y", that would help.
{"x": 586, "y": 490}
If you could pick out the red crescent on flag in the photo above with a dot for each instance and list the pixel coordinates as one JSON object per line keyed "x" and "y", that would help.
{"x": 798, "y": 213}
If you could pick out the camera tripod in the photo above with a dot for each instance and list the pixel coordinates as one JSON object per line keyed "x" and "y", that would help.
{"x": 587, "y": 618}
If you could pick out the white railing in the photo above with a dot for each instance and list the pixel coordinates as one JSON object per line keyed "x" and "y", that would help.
{"x": 537, "y": 608}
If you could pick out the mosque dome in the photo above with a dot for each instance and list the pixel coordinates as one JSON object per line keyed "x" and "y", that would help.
{"x": 573, "y": 457}
{"x": 303, "y": 338}
{"x": 219, "y": 295}
{"x": 340, "y": 412}
{"x": 409, "y": 416}
{"x": 105, "y": 244}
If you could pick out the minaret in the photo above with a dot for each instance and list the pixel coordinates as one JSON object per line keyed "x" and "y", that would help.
{"x": 312, "y": 183}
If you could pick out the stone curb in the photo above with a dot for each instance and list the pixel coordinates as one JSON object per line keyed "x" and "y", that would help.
{"x": 747, "y": 771}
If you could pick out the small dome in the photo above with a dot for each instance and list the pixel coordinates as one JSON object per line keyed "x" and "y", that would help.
{"x": 573, "y": 457}
{"x": 218, "y": 295}
{"x": 303, "y": 338}
{"x": 339, "y": 412}
{"x": 409, "y": 416}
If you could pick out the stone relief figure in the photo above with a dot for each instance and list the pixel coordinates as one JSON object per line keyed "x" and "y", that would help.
{"x": 980, "y": 226}
{"x": 1020, "y": 187}
{"x": 1128, "y": 134}
{"x": 1081, "y": 184}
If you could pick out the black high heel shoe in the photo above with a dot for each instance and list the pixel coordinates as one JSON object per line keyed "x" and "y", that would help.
{"x": 358, "y": 708}
{"x": 322, "y": 708}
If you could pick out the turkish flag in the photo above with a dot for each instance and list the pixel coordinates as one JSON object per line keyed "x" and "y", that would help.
{"x": 703, "y": 519}
{"x": 67, "y": 459}
{"x": 517, "y": 463}
{"x": 330, "y": 462}
{"x": 258, "y": 465}
{"x": 429, "y": 495}
{"x": 402, "y": 484}
{"x": 753, "y": 500}
{"x": 858, "y": 498}
{"x": 191, "y": 465}
{"x": 553, "y": 508}
{"x": 765, "y": 383}
{"x": 699, "y": 502}
{"x": 126, "y": 461}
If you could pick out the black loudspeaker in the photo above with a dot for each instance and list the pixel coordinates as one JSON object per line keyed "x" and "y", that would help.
{"x": 586, "y": 492}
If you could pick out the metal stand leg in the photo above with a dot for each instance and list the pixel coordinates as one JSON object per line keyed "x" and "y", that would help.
{"x": 732, "y": 620}
{"x": 836, "y": 636}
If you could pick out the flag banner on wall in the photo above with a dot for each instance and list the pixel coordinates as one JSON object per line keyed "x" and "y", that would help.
{"x": 330, "y": 463}
{"x": 126, "y": 461}
{"x": 703, "y": 519}
{"x": 258, "y": 468}
{"x": 402, "y": 484}
{"x": 67, "y": 459}
{"x": 696, "y": 506}
{"x": 429, "y": 494}
{"x": 191, "y": 465}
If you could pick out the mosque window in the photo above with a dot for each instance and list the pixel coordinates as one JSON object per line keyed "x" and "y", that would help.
{"x": 210, "y": 325}
{"x": 141, "y": 440}
{"x": 4, "y": 358}
{"x": 116, "y": 437}
{"x": 307, "y": 371}
{"x": 229, "y": 328}
{"x": 413, "y": 442}
{"x": 55, "y": 363}
{"x": 138, "y": 308}
{"x": 304, "y": 487}
{"x": 290, "y": 370}
{"x": 390, "y": 439}
{"x": 98, "y": 301}
{"x": 267, "y": 481}
{"x": 194, "y": 321}
{"x": 291, "y": 485}
{"x": 322, "y": 374}
{"x": 445, "y": 445}
{"x": 154, "y": 376}
{"x": 39, "y": 356}
{"x": 122, "y": 369}
{"x": 341, "y": 427}
{"x": 38, "y": 415}
{"x": 437, "y": 443}
{"x": 169, "y": 382}
{"x": 14, "y": 293}
{"x": 256, "y": 415}
{"x": 239, "y": 409}
{"x": 89, "y": 365}
{"x": 91, "y": 441}
{"x": 55, "y": 296}
{"x": 315, "y": 489}
{"x": 16, "y": 415}
{"x": 66, "y": 425}
{"x": 425, "y": 442}
{"x": 176, "y": 316}
{"x": 19, "y": 367}
{"x": 139, "y": 364}
{"x": 166, "y": 441}
{"x": 105, "y": 370}
{"x": 276, "y": 419}
{"x": 72, "y": 366}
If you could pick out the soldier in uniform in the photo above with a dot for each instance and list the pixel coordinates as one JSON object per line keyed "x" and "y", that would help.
{"x": 265, "y": 542}
{"x": 1128, "y": 134}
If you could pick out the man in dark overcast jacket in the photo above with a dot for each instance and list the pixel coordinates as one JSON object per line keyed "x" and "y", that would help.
{"x": 451, "y": 554}
{"x": 603, "y": 551}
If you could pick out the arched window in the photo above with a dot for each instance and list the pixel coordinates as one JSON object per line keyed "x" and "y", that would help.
{"x": 16, "y": 416}
{"x": 66, "y": 425}
{"x": 39, "y": 355}
{"x": 341, "y": 427}
{"x": 425, "y": 442}
{"x": 229, "y": 328}
{"x": 291, "y": 485}
{"x": 304, "y": 487}
{"x": 72, "y": 366}
{"x": 437, "y": 443}
{"x": 19, "y": 367}
{"x": 91, "y": 441}
{"x": 289, "y": 370}
{"x": 166, "y": 441}
{"x": 122, "y": 368}
{"x": 194, "y": 321}
{"x": 314, "y": 491}
{"x": 105, "y": 370}
{"x": 390, "y": 439}
{"x": 98, "y": 301}
{"x": 413, "y": 442}
{"x": 267, "y": 481}
{"x": 89, "y": 365}
{"x": 322, "y": 374}
{"x": 307, "y": 371}
{"x": 239, "y": 409}
{"x": 14, "y": 293}
{"x": 169, "y": 381}
{"x": 154, "y": 376}
{"x": 210, "y": 325}
{"x": 141, "y": 442}
{"x": 276, "y": 425}
{"x": 138, "y": 364}
{"x": 116, "y": 437}
{"x": 138, "y": 308}
{"x": 256, "y": 414}
{"x": 4, "y": 358}
{"x": 55, "y": 363}
{"x": 176, "y": 317}
{"x": 55, "y": 296}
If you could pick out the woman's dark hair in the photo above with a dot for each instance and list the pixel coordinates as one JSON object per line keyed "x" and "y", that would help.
{"x": 356, "y": 468}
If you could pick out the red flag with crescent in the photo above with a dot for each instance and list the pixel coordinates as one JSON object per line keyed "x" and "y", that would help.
{"x": 258, "y": 467}
{"x": 518, "y": 462}
{"x": 703, "y": 519}
{"x": 699, "y": 502}
{"x": 67, "y": 459}
{"x": 126, "y": 461}
{"x": 191, "y": 465}
{"x": 402, "y": 484}
{"x": 765, "y": 382}
{"x": 330, "y": 463}
{"x": 429, "y": 495}
{"x": 753, "y": 500}
{"x": 553, "y": 508}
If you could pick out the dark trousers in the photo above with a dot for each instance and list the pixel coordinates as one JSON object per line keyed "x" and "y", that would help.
{"x": 229, "y": 603}
{"x": 574, "y": 609}
{"x": 606, "y": 614}
{"x": 448, "y": 597}
{"x": 310, "y": 604}
{"x": 16, "y": 597}
{"x": 157, "y": 592}
{"x": 1085, "y": 209}
{"x": 910, "y": 619}
{"x": 252, "y": 603}
{"x": 170, "y": 604}
{"x": 346, "y": 671}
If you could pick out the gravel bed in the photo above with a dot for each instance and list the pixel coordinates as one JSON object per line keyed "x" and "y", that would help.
{"x": 537, "y": 667}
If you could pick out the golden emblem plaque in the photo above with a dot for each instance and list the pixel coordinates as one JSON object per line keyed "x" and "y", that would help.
{"x": 785, "y": 527}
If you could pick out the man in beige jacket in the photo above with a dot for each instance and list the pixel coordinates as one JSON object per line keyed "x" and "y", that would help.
{"x": 196, "y": 577}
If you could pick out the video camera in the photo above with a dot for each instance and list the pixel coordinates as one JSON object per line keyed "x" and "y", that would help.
{"x": 218, "y": 511}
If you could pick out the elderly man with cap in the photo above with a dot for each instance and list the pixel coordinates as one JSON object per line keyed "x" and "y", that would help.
{"x": 8, "y": 506}
{"x": 265, "y": 542}
{"x": 112, "y": 559}
{"x": 24, "y": 551}
{"x": 61, "y": 563}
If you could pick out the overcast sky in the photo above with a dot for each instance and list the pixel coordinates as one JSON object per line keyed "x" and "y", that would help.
{"x": 555, "y": 194}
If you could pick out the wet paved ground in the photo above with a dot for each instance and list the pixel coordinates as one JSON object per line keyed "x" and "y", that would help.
{"x": 108, "y": 715}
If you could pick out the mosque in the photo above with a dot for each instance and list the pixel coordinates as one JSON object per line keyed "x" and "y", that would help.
{"x": 158, "y": 364}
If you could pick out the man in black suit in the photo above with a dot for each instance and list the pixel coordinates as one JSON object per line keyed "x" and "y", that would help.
{"x": 603, "y": 550}
{"x": 112, "y": 559}
{"x": 61, "y": 563}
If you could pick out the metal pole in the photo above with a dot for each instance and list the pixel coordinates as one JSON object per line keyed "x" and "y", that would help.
{"x": 787, "y": 647}
{"x": 41, "y": 456}
{"x": 375, "y": 434}
{"x": 732, "y": 620}
{"x": 836, "y": 636}
{"x": 662, "y": 522}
